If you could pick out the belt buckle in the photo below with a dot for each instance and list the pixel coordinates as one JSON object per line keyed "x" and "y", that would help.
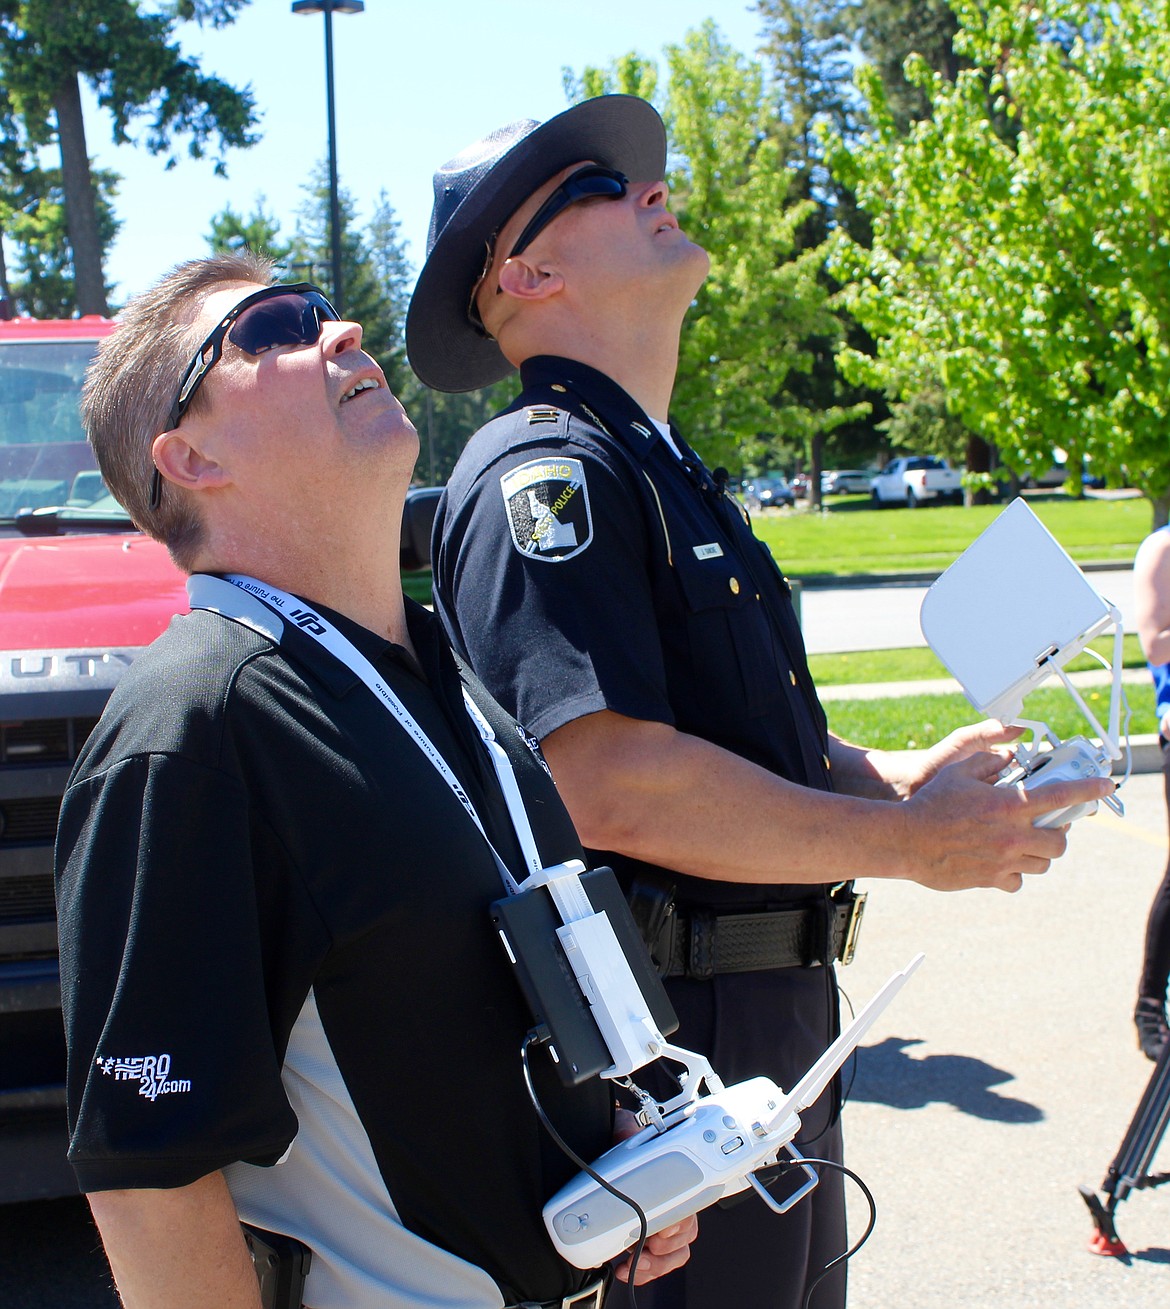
{"x": 853, "y": 927}
{"x": 592, "y": 1297}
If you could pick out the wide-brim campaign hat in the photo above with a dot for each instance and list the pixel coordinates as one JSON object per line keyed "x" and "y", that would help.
{"x": 475, "y": 195}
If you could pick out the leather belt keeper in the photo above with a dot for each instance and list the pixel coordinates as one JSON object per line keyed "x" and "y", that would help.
{"x": 705, "y": 944}
{"x": 590, "y": 1297}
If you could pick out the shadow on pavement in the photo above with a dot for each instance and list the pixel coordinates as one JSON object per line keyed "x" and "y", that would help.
{"x": 887, "y": 1075}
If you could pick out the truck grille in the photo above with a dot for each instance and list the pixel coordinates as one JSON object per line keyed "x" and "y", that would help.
{"x": 34, "y": 756}
{"x": 26, "y": 897}
{"x": 45, "y": 741}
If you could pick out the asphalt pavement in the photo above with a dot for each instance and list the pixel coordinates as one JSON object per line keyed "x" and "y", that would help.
{"x": 1003, "y": 1075}
{"x": 1007, "y": 1071}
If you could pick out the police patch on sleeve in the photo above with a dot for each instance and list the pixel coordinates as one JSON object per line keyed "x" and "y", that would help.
{"x": 547, "y": 503}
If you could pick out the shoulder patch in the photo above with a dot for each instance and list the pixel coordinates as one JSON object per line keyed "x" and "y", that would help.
{"x": 547, "y": 503}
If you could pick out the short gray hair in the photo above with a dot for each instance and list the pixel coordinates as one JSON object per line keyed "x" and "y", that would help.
{"x": 131, "y": 385}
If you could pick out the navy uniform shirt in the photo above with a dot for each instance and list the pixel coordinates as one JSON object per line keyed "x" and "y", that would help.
{"x": 581, "y": 566}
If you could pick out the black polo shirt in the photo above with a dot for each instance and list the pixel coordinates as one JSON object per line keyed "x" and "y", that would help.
{"x": 254, "y": 860}
{"x": 581, "y": 566}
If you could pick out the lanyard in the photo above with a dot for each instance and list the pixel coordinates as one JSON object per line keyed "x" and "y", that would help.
{"x": 256, "y": 605}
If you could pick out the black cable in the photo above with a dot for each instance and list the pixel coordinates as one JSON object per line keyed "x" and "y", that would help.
{"x": 853, "y": 1249}
{"x": 588, "y": 1169}
{"x": 846, "y": 1090}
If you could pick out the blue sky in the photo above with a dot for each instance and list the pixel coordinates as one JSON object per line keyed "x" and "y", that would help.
{"x": 415, "y": 83}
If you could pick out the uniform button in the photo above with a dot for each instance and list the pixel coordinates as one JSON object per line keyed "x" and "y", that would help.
{"x": 828, "y": 765}
{"x": 734, "y": 584}
{"x": 792, "y": 677}
{"x": 556, "y": 386}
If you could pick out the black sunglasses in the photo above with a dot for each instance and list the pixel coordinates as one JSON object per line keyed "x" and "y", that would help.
{"x": 589, "y": 182}
{"x": 275, "y": 316}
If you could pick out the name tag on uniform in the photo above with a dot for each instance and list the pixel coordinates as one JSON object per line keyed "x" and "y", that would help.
{"x": 712, "y": 551}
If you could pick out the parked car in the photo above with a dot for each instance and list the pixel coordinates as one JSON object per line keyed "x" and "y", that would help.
{"x": 1056, "y": 476}
{"x": 800, "y": 486}
{"x": 768, "y": 492}
{"x": 846, "y": 481}
{"x": 914, "y": 480}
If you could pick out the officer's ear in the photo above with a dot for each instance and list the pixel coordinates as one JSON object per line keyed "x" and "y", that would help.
{"x": 530, "y": 280}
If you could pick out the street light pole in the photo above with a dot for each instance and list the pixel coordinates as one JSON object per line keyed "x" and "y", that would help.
{"x": 327, "y": 7}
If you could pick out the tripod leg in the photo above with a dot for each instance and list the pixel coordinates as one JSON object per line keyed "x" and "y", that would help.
{"x": 1144, "y": 1133}
{"x": 1130, "y": 1167}
{"x": 1104, "y": 1239}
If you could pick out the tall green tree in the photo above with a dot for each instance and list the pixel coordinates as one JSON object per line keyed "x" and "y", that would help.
{"x": 808, "y": 57}
{"x": 1029, "y": 271}
{"x": 762, "y": 300}
{"x": 887, "y": 32}
{"x": 258, "y": 232}
{"x": 374, "y": 269}
{"x": 126, "y": 52}
{"x": 747, "y": 331}
{"x": 41, "y": 273}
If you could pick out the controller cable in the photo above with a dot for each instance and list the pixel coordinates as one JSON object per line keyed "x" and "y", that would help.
{"x": 534, "y": 1038}
{"x": 861, "y": 1240}
{"x": 846, "y": 1088}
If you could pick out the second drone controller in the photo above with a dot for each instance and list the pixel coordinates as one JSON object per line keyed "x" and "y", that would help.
{"x": 671, "y": 1175}
{"x": 1073, "y": 760}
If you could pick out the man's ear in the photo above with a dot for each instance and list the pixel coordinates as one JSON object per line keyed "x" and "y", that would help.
{"x": 530, "y": 281}
{"x": 181, "y": 463}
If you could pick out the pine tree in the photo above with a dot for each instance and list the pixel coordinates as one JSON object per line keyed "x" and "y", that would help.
{"x": 128, "y": 55}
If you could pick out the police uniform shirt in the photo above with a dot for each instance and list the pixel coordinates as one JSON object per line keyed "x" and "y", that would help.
{"x": 277, "y": 959}
{"x": 580, "y": 566}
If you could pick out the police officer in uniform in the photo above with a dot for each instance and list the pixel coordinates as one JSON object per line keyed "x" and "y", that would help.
{"x": 611, "y": 594}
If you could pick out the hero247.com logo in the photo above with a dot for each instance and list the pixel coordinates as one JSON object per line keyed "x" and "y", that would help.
{"x": 152, "y": 1072}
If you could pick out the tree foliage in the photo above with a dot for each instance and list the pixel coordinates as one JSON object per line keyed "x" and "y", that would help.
{"x": 887, "y": 31}
{"x": 258, "y": 232}
{"x": 1029, "y": 272}
{"x": 762, "y": 302}
{"x": 126, "y": 52}
{"x": 40, "y": 272}
{"x": 731, "y": 187}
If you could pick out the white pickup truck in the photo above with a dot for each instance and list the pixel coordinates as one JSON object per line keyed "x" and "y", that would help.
{"x": 916, "y": 480}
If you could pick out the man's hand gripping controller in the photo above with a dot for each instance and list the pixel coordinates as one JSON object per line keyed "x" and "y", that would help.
{"x": 697, "y": 1149}
{"x": 1076, "y": 759}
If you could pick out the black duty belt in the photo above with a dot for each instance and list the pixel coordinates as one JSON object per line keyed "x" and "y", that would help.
{"x": 703, "y": 944}
{"x": 591, "y": 1297}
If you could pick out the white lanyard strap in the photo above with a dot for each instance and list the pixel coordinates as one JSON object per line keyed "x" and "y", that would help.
{"x": 229, "y": 598}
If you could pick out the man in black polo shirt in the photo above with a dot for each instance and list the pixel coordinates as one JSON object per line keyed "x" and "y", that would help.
{"x": 612, "y": 596}
{"x": 283, "y": 995}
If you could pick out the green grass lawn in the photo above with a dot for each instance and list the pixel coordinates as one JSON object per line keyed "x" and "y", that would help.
{"x": 920, "y": 720}
{"x": 921, "y": 663}
{"x": 852, "y": 537}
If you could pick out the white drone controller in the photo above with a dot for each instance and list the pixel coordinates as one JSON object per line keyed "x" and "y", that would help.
{"x": 1073, "y": 760}
{"x": 1005, "y": 618}
{"x": 699, "y": 1152}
